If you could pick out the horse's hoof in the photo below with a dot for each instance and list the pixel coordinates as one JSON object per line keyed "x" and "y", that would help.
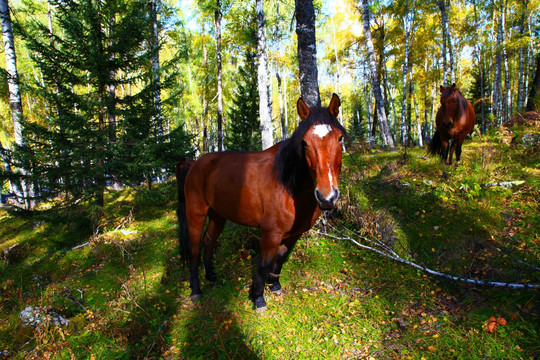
{"x": 259, "y": 303}
{"x": 259, "y": 310}
{"x": 279, "y": 292}
{"x": 195, "y": 297}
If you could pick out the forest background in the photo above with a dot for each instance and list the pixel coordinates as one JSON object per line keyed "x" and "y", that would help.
{"x": 115, "y": 92}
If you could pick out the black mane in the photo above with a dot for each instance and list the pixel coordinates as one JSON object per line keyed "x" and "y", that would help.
{"x": 290, "y": 165}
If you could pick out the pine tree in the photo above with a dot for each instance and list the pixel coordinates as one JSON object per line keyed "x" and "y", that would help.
{"x": 78, "y": 149}
{"x": 244, "y": 131}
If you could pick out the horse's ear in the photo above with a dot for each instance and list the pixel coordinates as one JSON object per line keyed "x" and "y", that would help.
{"x": 334, "y": 105}
{"x": 454, "y": 87}
{"x": 441, "y": 88}
{"x": 303, "y": 109}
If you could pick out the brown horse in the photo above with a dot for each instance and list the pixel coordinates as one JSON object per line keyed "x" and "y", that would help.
{"x": 281, "y": 190}
{"x": 455, "y": 120}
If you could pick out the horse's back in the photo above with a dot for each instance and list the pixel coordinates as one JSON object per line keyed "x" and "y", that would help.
{"x": 233, "y": 184}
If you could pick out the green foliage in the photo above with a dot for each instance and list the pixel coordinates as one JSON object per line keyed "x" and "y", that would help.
{"x": 244, "y": 132}
{"x": 90, "y": 136}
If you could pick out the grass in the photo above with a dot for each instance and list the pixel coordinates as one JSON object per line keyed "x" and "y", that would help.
{"x": 342, "y": 302}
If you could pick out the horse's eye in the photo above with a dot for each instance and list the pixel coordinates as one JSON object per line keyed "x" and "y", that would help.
{"x": 304, "y": 144}
{"x": 341, "y": 138}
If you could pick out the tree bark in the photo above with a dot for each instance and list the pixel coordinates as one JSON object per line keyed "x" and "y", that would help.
{"x": 307, "y": 52}
{"x": 265, "y": 111}
{"x": 496, "y": 101}
{"x": 376, "y": 86}
{"x": 533, "y": 102}
{"x": 219, "y": 77}
{"x": 26, "y": 190}
{"x": 521, "y": 80}
{"x": 407, "y": 27}
{"x": 447, "y": 43}
{"x": 155, "y": 69}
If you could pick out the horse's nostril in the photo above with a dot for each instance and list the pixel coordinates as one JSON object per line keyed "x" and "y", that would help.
{"x": 328, "y": 202}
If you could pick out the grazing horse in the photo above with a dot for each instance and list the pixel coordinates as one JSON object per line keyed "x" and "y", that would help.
{"x": 281, "y": 190}
{"x": 455, "y": 120}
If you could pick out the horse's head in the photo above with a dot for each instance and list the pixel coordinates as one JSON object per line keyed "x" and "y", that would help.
{"x": 322, "y": 147}
{"x": 449, "y": 104}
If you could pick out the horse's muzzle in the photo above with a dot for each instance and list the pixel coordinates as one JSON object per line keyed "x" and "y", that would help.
{"x": 328, "y": 202}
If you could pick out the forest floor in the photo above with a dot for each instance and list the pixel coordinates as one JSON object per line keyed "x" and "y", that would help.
{"x": 120, "y": 282}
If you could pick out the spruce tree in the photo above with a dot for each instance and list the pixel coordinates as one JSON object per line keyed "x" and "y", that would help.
{"x": 244, "y": 132}
{"x": 77, "y": 149}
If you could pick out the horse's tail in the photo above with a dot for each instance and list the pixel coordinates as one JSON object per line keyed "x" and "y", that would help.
{"x": 435, "y": 145}
{"x": 183, "y": 229}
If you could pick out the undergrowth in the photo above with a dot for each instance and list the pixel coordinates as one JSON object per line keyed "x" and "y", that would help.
{"x": 120, "y": 282}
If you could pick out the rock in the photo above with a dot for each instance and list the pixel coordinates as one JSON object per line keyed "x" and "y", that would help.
{"x": 34, "y": 316}
{"x": 529, "y": 139}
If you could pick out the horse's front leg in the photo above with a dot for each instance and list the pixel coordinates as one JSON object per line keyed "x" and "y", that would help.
{"x": 270, "y": 243}
{"x": 452, "y": 149}
{"x": 444, "y": 150}
{"x": 458, "y": 150}
{"x": 282, "y": 255}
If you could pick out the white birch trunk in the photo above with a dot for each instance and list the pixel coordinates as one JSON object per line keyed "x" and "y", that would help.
{"x": 376, "y": 86}
{"x": 219, "y": 77}
{"x": 14, "y": 96}
{"x": 265, "y": 112}
{"x": 155, "y": 69}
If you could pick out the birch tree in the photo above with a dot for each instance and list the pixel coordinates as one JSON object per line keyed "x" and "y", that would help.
{"x": 14, "y": 92}
{"x": 447, "y": 43}
{"x": 154, "y": 43}
{"x": 375, "y": 85}
{"x": 265, "y": 110}
{"x": 408, "y": 28}
{"x": 218, "y": 18}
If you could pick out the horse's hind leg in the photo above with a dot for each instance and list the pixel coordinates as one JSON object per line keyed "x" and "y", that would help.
{"x": 282, "y": 255}
{"x": 196, "y": 220}
{"x": 215, "y": 227}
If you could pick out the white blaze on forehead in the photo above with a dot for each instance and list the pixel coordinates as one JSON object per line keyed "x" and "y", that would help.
{"x": 322, "y": 130}
{"x": 331, "y": 178}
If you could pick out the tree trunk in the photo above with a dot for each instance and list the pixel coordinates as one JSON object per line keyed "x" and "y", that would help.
{"x": 204, "y": 122}
{"x": 154, "y": 43}
{"x": 338, "y": 67}
{"x": 219, "y": 77}
{"x": 26, "y": 190}
{"x": 521, "y": 80}
{"x": 407, "y": 29}
{"x": 376, "y": 86}
{"x": 281, "y": 112}
{"x": 265, "y": 111}
{"x": 307, "y": 52}
{"x": 533, "y": 102}
{"x": 498, "y": 70}
{"x": 447, "y": 43}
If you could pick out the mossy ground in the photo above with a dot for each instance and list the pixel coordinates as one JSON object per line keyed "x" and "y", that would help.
{"x": 127, "y": 294}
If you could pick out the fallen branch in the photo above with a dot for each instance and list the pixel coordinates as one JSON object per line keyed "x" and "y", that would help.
{"x": 397, "y": 258}
{"x": 504, "y": 184}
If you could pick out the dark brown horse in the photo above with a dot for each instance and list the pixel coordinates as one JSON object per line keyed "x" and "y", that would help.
{"x": 455, "y": 120}
{"x": 281, "y": 190}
